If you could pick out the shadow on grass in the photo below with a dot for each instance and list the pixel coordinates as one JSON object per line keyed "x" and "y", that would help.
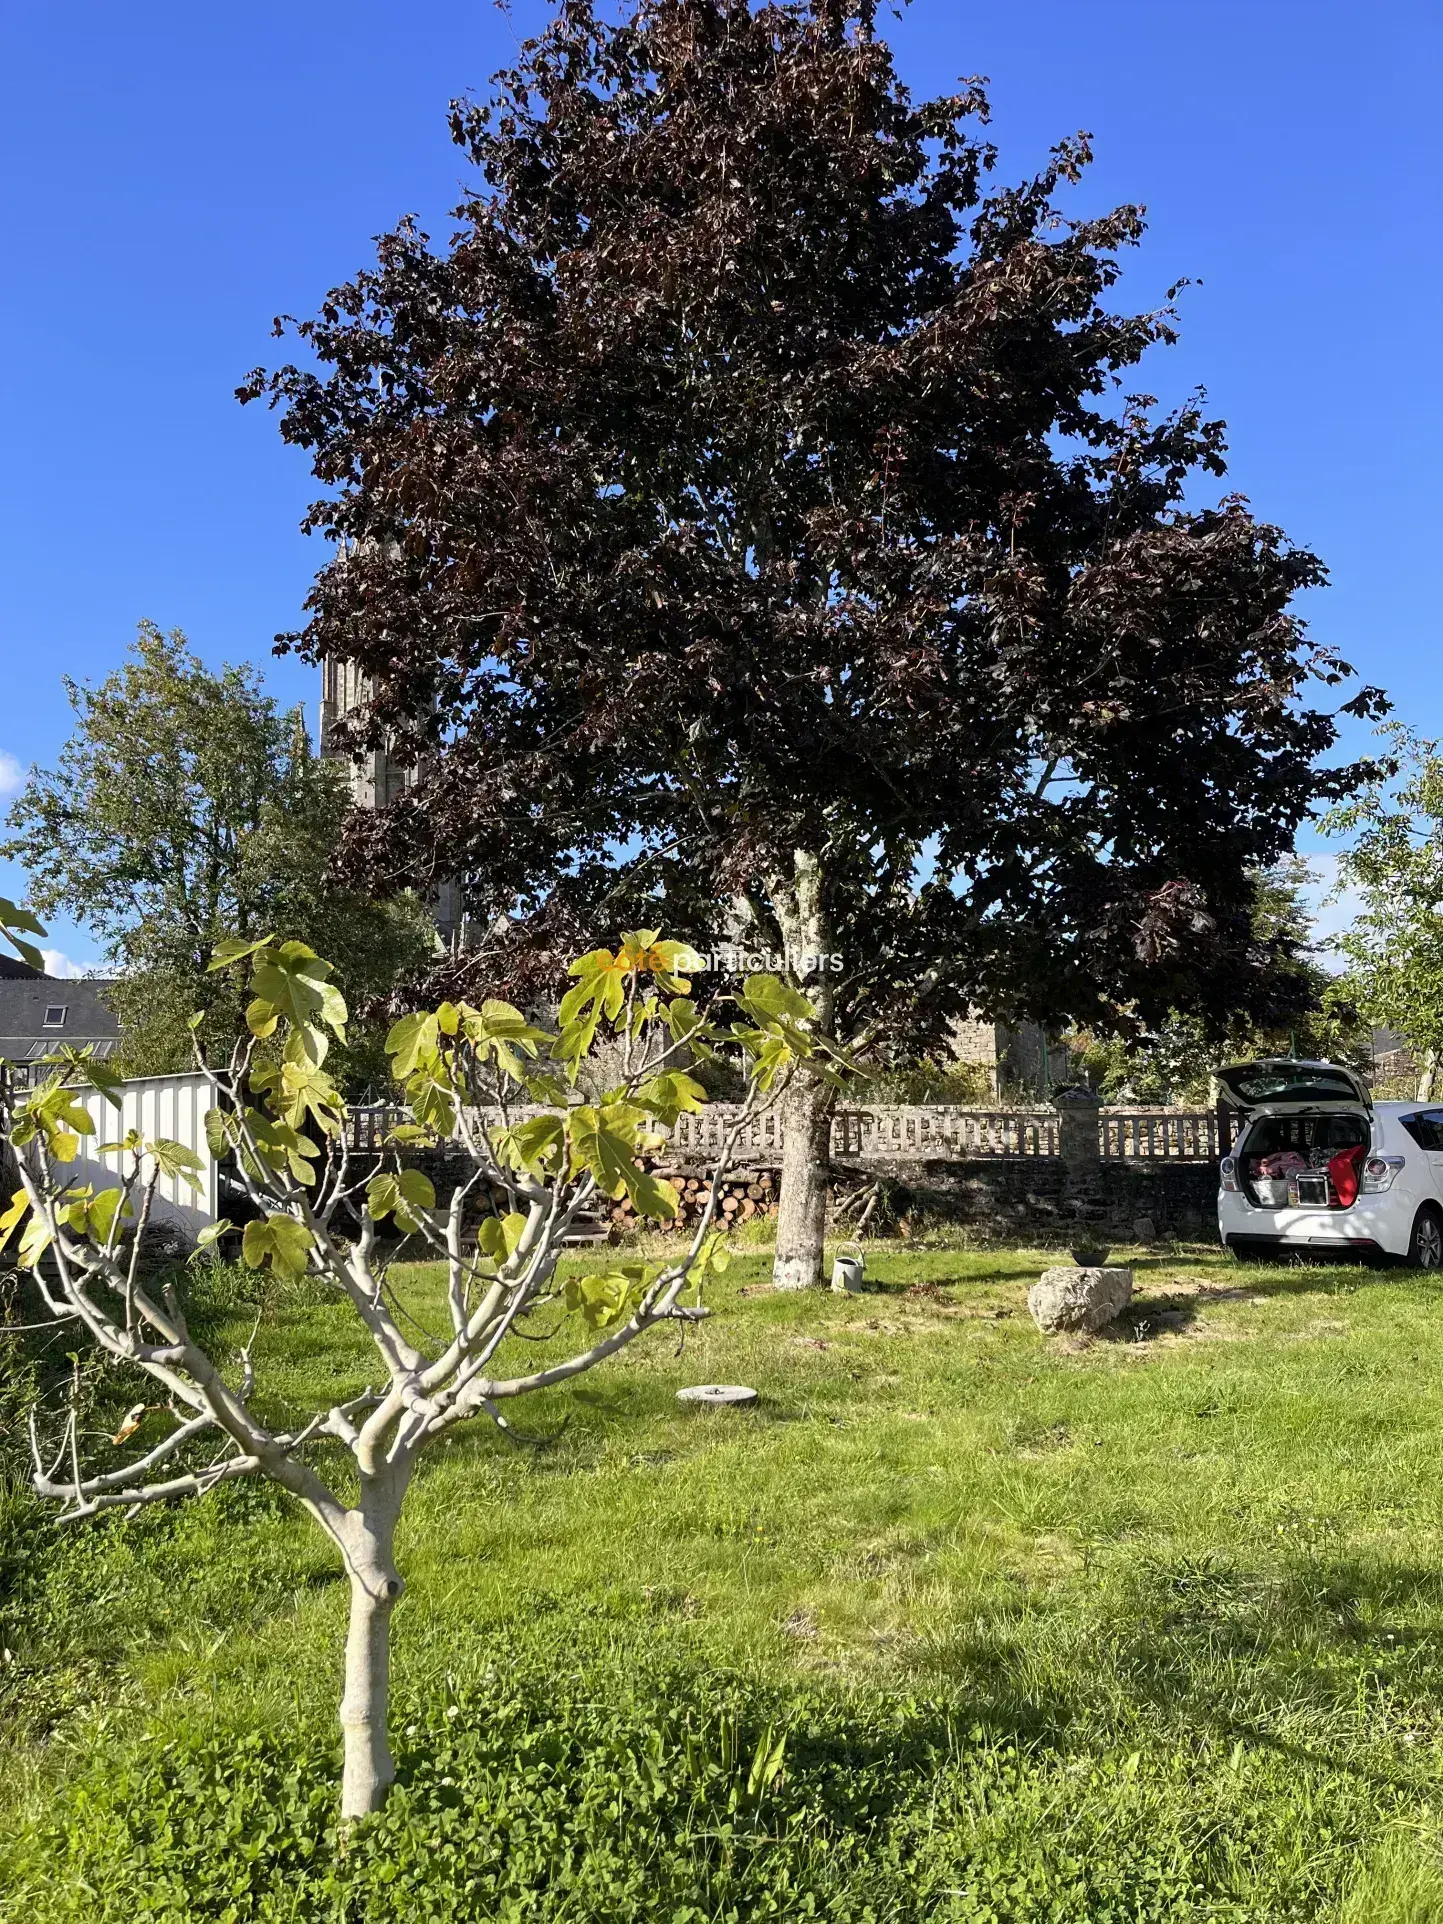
{"x": 1168, "y": 1304}
{"x": 1299, "y": 1274}
{"x": 1213, "y": 1647}
{"x": 597, "y": 1776}
{"x": 560, "y": 1746}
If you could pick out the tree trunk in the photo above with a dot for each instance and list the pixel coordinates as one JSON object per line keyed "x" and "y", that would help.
{"x": 368, "y": 1768}
{"x": 806, "y": 1180}
{"x": 798, "y": 902}
{"x": 1428, "y": 1077}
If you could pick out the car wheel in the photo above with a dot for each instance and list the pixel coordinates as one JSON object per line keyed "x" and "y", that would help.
{"x": 1425, "y": 1249}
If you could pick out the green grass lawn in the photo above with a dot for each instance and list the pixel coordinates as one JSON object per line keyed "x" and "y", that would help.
{"x": 1145, "y": 1627}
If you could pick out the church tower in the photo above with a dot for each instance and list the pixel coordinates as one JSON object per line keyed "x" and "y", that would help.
{"x": 376, "y": 781}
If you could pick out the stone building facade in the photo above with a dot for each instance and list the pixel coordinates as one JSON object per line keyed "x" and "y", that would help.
{"x": 376, "y": 780}
{"x": 1021, "y": 1060}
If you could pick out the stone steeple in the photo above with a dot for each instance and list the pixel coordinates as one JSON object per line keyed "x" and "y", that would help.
{"x": 376, "y": 780}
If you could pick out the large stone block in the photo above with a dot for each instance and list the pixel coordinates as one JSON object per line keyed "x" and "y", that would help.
{"x": 1073, "y": 1298}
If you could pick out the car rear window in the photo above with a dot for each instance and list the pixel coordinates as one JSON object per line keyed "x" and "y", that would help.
{"x": 1288, "y": 1082}
{"x": 1426, "y": 1128}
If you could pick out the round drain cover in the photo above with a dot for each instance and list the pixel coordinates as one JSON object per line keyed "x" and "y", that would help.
{"x": 716, "y": 1395}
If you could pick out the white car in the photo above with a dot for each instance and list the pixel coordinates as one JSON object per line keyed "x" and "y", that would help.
{"x": 1319, "y": 1166}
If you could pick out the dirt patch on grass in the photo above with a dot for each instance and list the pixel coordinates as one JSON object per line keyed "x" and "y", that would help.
{"x": 942, "y": 1314}
{"x": 903, "y": 1326}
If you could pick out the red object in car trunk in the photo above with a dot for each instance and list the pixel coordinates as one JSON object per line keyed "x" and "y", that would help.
{"x": 1343, "y": 1173}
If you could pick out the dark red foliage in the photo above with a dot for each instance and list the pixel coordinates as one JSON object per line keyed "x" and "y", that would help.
{"x": 742, "y": 478}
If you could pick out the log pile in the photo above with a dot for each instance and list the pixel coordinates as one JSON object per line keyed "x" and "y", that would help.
{"x": 746, "y": 1193}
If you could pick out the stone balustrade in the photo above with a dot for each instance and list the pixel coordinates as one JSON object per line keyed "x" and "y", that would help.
{"x": 911, "y": 1132}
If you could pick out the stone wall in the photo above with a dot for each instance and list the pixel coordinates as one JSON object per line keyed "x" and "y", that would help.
{"x": 1012, "y": 1198}
{"x": 1037, "y": 1198}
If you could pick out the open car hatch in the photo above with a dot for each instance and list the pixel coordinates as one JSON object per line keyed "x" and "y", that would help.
{"x": 1278, "y": 1086}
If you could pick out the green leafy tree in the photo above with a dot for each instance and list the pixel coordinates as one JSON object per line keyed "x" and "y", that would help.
{"x": 1394, "y": 949}
{"x": 185, "y": 805}
{"x": 928, "y": 1079}
{"x": 498, "y": 1092}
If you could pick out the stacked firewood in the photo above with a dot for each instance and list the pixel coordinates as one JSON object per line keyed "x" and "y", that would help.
{"x": 745, "y": 1194}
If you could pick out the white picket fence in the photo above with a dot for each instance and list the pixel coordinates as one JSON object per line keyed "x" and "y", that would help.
{"x": 172, "y": 1107}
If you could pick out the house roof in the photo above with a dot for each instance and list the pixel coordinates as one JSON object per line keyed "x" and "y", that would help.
{"x": 13, "y": 969}
{"x": 26, "y": 1001}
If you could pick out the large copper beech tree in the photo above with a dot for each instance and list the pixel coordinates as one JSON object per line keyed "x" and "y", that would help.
{"x": 746, "y": 516}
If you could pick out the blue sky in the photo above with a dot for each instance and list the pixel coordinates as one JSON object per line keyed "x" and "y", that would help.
{"x": 176, "y": 175}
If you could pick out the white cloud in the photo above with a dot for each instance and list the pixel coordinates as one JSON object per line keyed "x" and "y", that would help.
{"x": 57, "y": 963}
{"x": 12, "y": 775}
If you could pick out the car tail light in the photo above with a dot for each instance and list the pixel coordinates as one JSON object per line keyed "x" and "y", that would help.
{"x": 1378, "y": 1173}
{"x": 1228, "y": 1170}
